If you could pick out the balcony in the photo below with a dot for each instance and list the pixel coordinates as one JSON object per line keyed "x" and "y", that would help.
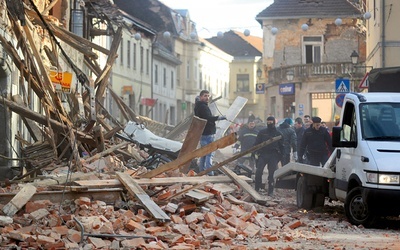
{"x": 301, "y": 72}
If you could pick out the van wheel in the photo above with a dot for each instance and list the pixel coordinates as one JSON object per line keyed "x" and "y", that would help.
{"x": 319, "y": 200}
{"x": 357, "y": 211}
{"x": 304, "y": 197}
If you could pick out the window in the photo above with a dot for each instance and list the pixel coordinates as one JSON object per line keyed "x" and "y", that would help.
{"x": 172, "y": 115}
{"x": 165, "y": 77}
{"x": 242, "y": 82}
{"x": 178, "y": 71}
{"x": 141, "y": 59}
{"x": 312, "y": 49}
{"x": 172, "y": 79}
{"x": 156, "y": 74}
{"x": 187, "y": 69}
{"x": 349, "y": 123}
{"x": 121, "y": 54}
{"x": 128, "y": 54}
{"x": 134, "y": 56}
{"x": 147, "y": 61}
{"x": 201, "y": 80}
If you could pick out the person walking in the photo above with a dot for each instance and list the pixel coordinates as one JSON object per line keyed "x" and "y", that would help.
{"x": 307, "y": 121}
{"x": 202, "y": 110}
{"x": 269, "y": 155}
{"x": 246, "y": 138}
{"x": 299, "y": 130}
{"x": 318, "y": 143}
{"x": 289, "y": 141}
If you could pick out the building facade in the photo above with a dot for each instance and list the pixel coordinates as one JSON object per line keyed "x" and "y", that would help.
{"x": 307, "y": 48}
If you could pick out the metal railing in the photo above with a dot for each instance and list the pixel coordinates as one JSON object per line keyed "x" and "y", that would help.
{"x": 306, "y": 71}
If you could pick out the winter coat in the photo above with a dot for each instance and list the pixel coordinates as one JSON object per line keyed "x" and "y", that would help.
{"x": 274, "y": 149}
{"x": 202, "y": 110}
{"x": 316, "y": 142}
{"x": 289, "y": 138}
{"x": 247, "y": 137}
{"x": 299, "y": 135}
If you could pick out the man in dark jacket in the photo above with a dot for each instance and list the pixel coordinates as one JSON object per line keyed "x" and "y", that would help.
{"x": 289, "y": 140}
{"x": 202, "y": 110}
{"x": 246, "y": 138}
{"x": 269, "y": 155}
{"x": 318, "y": 143}
{"x": 299, "y": 129}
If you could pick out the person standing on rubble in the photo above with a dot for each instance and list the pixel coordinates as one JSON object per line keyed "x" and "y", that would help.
{"x": 202, "y": 110}
{"x": 269, "y": 155}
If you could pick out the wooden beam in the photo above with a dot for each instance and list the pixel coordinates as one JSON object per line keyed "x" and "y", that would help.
{"x": 179, "y": 162}
{"x": 192, "y": 139}
{"x": 42, "y": 119}
{"x": 102, "y": 80}
{"x": 109, "y": 195}
{"x": 237, "y": 156}
{"x": 33, "y": 128}
{"x": 165, "y": 181}
{"x": 106, "y": 152}
{"x": 245, "y": 186}
{"x": 135, "y": 190}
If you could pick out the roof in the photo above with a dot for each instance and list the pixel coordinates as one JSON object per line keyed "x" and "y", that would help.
{"x": 152, "y": 12}
{"x": 255, "y": 41}
{"x": 289, "y": 9}
{"x": 236, "y": 44}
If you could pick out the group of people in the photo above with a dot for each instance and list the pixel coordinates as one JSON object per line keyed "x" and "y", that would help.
{"x": 308, "y": 141}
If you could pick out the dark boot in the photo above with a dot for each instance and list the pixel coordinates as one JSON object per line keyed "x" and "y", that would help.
{"x": 270, "y": 189}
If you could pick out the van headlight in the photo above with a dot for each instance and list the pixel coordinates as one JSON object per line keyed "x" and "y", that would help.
{"x": 389, "y": 179}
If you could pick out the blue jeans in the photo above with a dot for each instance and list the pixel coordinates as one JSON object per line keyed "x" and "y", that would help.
{"x": 206, "y": 161}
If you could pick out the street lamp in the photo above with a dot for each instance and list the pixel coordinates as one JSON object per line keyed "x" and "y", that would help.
{"x": 259, "y": 73}
{"x": 290, "y": 75}
{"x": 354, "y": 57}
{"x": 354, "y": 60}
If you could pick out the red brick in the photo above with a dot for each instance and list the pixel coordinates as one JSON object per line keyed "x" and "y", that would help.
{"x": 32, "y": 206}
{"x": 133, "y": 243}
{"x": 132, "y": 225}
{"x": 153, "y": 230}
{"x": 62, "y": 230}
{"x": 210, "y": 218}
{"x": 294, "y": 224}
{"x": 83, "y": 201}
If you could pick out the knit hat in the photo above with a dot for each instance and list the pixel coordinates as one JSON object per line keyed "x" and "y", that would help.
{"x": 271, "y": 118}
{"x": 316, "y": 119}
{"x": 252, "y": 118}
{"x": 288, "y": 121}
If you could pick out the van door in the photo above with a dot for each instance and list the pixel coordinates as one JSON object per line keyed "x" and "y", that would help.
{"x": 347, "y": 157}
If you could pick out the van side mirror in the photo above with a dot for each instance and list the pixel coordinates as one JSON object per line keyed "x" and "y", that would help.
{"x": 338, "y": 140}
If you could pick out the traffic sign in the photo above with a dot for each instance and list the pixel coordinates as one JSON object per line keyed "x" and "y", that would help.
{"x": 342, "y": 85}
{"x": 339, "y": 100}
{"x": 364, "y": 82}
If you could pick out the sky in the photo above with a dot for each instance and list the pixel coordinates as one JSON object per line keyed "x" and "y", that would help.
{"x": 212, "y": 16}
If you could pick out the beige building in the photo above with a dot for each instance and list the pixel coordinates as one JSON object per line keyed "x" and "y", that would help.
{"x": 245, "y": 77}
{"x": 383, "y": 37}
{"x": 306, "y": 54}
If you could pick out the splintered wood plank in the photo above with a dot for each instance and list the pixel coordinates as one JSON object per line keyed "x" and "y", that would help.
{"x": 113, "y": 183}
{"x": 135, "y": 190}
{"x": 198, "y": 195}
{"x": 222, "y": 188}
{"x": 109, "y": 195}
{"x": 179, "y": 162}
{"x": 231, "y": 114}
{"x": 19, "y": 200}
{"x": 245, "y": 186}
{"x": 192, "y": 139}
{"x": 237, "y": 156}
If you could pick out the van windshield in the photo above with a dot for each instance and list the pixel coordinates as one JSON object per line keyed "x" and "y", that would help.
{"x": 380, "y": 121}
